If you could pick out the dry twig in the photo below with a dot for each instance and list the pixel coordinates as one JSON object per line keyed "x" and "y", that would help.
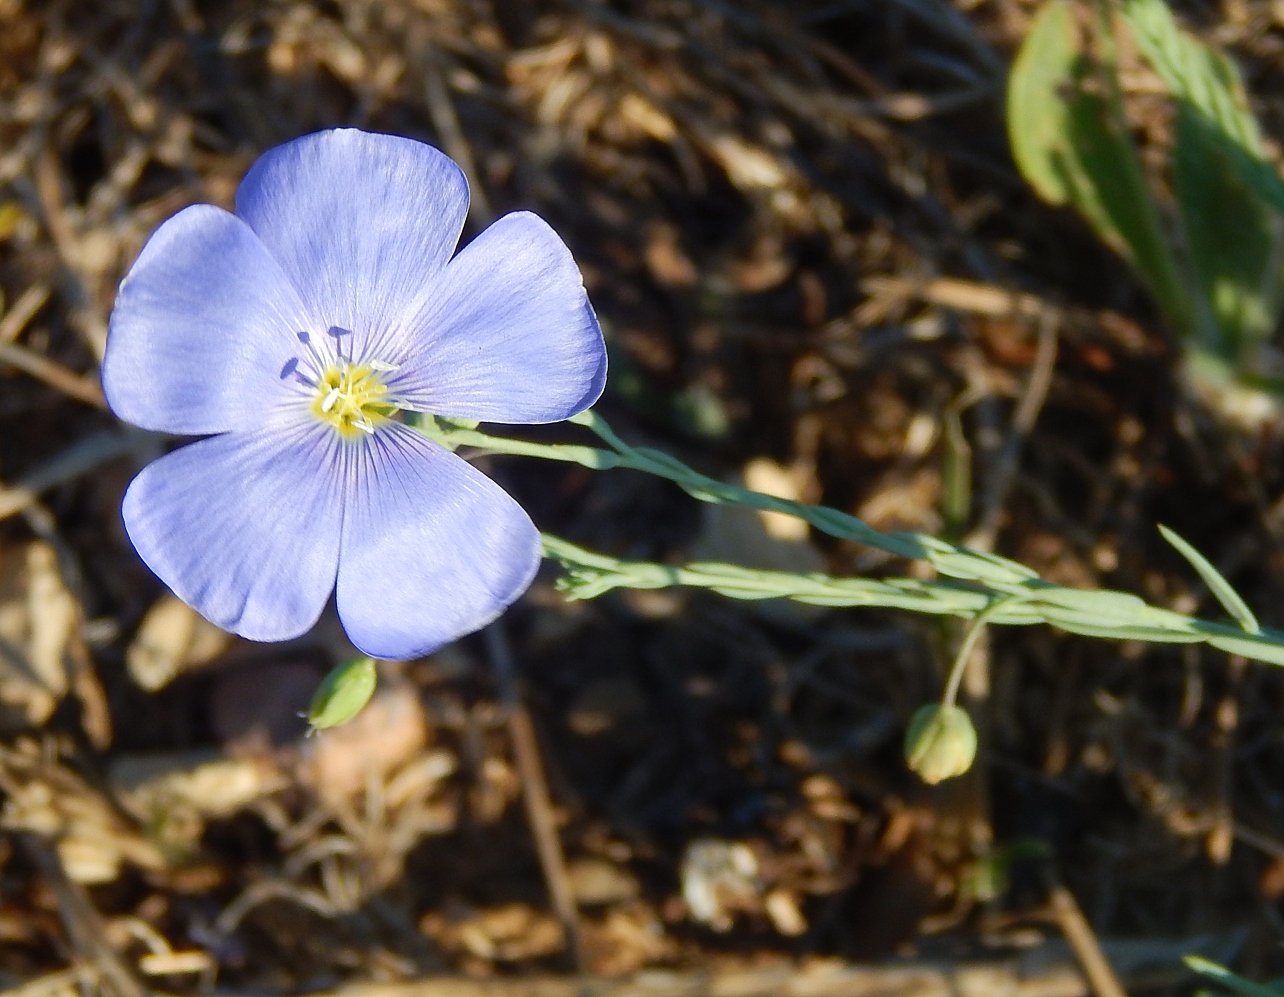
{"x": 1087, "y": 949}
{"x": 539, "y": 805}
{"x": 79, "y": 459}
{"x": 82, "y": 922}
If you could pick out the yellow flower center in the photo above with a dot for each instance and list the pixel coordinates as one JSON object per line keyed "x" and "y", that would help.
{"x": 353, "y": 398}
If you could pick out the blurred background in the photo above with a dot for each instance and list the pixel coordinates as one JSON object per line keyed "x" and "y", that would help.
{"x": 819, "y": 274}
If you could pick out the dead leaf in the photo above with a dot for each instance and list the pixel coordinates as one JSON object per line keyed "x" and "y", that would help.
{"x": 507, "y": 933}
{"x": 597, "y": 881}
{"x": 172, "y": 639}
{"x": 387, "y": 734}
{"x": 92, "y": 836}
{"x": 37, "y": 620}
{"x": 175, "y": 794}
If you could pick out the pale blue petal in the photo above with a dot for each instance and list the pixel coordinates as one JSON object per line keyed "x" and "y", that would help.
{"x": 432, "y": 548}
{"x": 506, "y": 333}
{"x": 202, "y": 325}
{"x": 361, "y": 222}
{"x": 244, "y": 527}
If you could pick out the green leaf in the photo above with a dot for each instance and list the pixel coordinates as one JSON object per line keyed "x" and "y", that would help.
{"x": 1206, "y": 80}
{"x": 1264, "y": 648}
{"x": 1071, "y": 144}
{"x": 1233, "y": 236}
{"x": 1151, "y": 635}
{"x": 1035, "y": 109}
{"x": 978, "y": 566}
{"x": 1233, "y": 982}
{"x": 987, "y": 879}
{"x": 1194, "y": 73}
{"x": 1224, "y": 185}
{"x": 956, "y": 471}
{"x": 1217, "y": 584}
{"x": 1103, "y": 604}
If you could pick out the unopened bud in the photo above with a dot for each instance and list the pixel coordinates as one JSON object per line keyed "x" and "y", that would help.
{"x": 940, "y": 742}
{"x": 342, "y": 694}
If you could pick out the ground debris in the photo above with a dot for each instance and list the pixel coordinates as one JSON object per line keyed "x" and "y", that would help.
{"x": 38, "y": 617}
{"x": 819, "y": 274}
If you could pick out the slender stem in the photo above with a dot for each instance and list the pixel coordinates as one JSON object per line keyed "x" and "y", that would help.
{"x": 977, "y": 581}
{"x": 1091, "y": 612}
{"x": 700, "y": 486}
{"x": 535, "y": 794}
{"x": 1084, "y": 943}
{"x": 969, "y": 642}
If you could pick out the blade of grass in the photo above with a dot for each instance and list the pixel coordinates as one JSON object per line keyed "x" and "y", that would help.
{"x": 1231, "y": 981}
{"x": 1217, "y": 584}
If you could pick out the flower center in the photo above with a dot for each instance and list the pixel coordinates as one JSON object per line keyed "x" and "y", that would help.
{"x": 352, "y": 397}
{"x": 349, "y": 395}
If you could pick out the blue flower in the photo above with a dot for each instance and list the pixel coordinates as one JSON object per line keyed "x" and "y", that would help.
{"x": 290, "y": 335}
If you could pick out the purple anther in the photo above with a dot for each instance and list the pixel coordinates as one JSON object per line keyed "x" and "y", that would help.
{"x": 337, "y": 333}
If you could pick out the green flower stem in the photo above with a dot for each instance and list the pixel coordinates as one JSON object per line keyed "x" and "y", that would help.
{"x": 1091, "y": 612}
{"x": 969, "y": 641}
{"x": 974, "y": 581}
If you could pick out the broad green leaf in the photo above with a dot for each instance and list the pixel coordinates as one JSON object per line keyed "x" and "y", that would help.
{"x": 1036, "y": 112}
{"x": 1207, "y": 80}
{"x": 1071, "y": 145}
{"x": 1217, "y": 584}
{"x": 1193, "y": 72}
{"x": 1225, "y": 186}
{"x": 1233, "y": 236}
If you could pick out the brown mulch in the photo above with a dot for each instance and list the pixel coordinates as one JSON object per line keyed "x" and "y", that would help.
{"x": 817, "y": 267}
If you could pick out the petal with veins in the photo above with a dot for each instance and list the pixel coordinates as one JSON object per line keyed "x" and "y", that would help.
{"x": 507, "y": 333}
{"x": 244, "y": 527}
{"x": 202, "y": 326}
{"x": 432, "y": 548}
{"x": 361, "y": 223}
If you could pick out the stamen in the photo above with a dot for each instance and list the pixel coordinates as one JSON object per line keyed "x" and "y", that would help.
{"x": 306, "y": 340}
{"x": 291, "y": 369}
{"x": 383, "y": 366}
{"x": 337, "y": 334}
{"x": 351, "y": 397}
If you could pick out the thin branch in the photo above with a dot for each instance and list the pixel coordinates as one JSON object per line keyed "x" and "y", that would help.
{"x": 539, "y": 804}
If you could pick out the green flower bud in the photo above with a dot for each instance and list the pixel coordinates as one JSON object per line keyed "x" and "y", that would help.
{"x": 940, "y": 742}
{"x": 342, "y": 694}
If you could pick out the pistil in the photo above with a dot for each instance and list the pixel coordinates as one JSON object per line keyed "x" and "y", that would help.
{"x": 353, "y": 397}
